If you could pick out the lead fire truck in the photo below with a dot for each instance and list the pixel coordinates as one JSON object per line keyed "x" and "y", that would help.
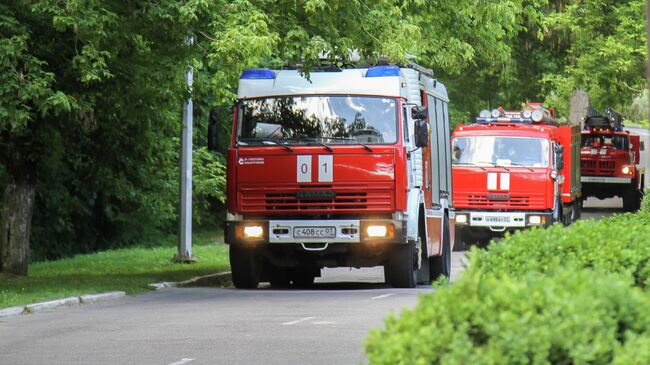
{"x": 343, "y": 168}
{"x": 609, "y": 159}
{"x": 514, "y": 169}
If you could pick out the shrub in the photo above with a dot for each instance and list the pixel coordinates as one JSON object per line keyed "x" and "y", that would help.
{"x": 570, "y": 317}
{"x": 620, "y": 244}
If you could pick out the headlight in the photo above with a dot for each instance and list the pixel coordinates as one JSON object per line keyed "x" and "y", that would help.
{"x": 253, "y": 231}
{"x": 496, "y": 113}
{"x": 537, "y": 115}
{"x": 377, "y": 231}
{"x": 626, "y": 170}
{"x": 536, "y": 219}
{"x": 527, "y": 113}
{"x": 461, "y": 218}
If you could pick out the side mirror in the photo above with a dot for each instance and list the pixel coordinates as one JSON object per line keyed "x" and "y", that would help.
{"x": 421, "y": 133}
{"x": 213, "y": 130}
{"x": 559, "y": 157}
{"x": 419, "y": 112}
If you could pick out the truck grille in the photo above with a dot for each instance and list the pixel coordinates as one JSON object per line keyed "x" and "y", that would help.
{"x": 598, "y": 168}
{"x": 348, "y": 197}
{"x": 509, "y": 201}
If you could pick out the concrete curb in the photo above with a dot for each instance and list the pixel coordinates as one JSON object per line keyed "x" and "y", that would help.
{"x": 65, "y": 302}
{"x": 102, "y": 297}
{"x": 11, "y": 311}
{"x": 206, "y": 280}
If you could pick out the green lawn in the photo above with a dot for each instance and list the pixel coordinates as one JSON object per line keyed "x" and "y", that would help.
{"x": 127, "y": 269}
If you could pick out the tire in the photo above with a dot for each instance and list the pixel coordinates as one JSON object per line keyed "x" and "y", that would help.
{"x": 302, "y": 278}
{"x": 279, "y": 277}
{"x": 441, "y": 265}
{"x": 400, "y": 270}
{"x": 631, "y": 200}
{"x": 245, "y": 266}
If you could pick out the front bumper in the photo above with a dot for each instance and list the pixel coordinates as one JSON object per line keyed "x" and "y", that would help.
{"x": 316, "y": 233}
{"x": 502, "y": 221}
{"x": 605, "y": 180}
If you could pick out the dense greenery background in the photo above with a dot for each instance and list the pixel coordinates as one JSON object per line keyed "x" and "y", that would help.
{"x": 91, "y": 91}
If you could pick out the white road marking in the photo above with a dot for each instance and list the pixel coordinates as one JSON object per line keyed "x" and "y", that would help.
{"x": 298, "y": 321}
{"x": 383, "y": 296}
{"x": 184, "y": 360}
{"x": 323, "y": 322}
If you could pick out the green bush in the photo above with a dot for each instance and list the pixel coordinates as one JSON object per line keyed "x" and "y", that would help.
{"x": 620, "y": 244}
{"x": 570, "y": 317}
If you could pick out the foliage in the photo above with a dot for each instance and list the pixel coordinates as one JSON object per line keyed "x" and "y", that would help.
{"x": 575, "y": 295}
{"x": 570, "y": 317}
{"x": 127, "y": 269}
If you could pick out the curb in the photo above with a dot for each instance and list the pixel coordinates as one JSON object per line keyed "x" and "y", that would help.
{"x": 65, "y": 302}
{"x": 206, "y": 280}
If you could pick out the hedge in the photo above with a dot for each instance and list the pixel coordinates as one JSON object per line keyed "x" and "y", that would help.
{"x": 570, "y": 317}
{"x": 562, "y": 295}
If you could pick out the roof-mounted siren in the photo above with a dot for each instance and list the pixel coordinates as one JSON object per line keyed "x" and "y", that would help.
{"x": 257, "y": 74}
{"x": 382, "y": 71}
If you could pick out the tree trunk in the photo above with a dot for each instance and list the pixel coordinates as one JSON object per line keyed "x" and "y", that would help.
{"x": 579, "y": 104}
{"x": 647, "y": 27}
{"x": 15, "y": 227}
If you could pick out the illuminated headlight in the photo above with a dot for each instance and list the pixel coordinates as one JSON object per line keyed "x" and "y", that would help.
{"x": 626, "y": 170}
{"x": 534, "y": 219}
{"x": 377, "y": 231}
{"x": 253, "y": 231}
{"x": 461, "y": 218}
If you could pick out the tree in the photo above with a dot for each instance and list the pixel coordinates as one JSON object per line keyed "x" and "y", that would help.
{"x": 90, "y": 94}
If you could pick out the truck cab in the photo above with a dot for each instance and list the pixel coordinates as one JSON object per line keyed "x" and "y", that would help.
{"x": 328, "y": 170}
{"x": 512, "y": 170}
{"x": 609, "y": 158}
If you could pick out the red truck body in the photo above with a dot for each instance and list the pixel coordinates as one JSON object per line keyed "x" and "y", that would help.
{"x": 528, "y": 187}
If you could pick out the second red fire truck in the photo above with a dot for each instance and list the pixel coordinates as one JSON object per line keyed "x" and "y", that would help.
{"x": 515, "y": 169}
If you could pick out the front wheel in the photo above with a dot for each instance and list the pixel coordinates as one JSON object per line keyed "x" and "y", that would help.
{"x": 400, "y": 270}
{"x": 245, "y": 266}
{"x": 441, "y": 265}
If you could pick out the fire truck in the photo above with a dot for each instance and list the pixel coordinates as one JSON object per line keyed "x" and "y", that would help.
{"x": 512, "y": 170}
{"x": 339, "y": 168}
{"x": 609, "y": 159}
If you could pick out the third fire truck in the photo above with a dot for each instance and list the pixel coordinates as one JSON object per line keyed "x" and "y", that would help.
{"x": 609, "y": 159}
{"x": 515, "y": 169}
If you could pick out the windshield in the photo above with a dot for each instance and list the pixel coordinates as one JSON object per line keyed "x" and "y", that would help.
{"x": 500, "y": 151}
{"x": 603, "y": 141}
{"x": 330, "y": 119}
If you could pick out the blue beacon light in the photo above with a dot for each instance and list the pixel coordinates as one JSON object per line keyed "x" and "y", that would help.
{"x": 257, "y": 74}
{"x": 382, "y": 71}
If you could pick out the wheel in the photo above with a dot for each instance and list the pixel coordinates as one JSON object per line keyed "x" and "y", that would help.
{"x": 400, "y": 271}
{"x": 631, "y": 200}
{"x": 441, "y": 265}
{"x": 279, "y": 277}
{"x": 245, "y": 267}
{"x": 302, "y": 278}
{"x": 577, "y": 210}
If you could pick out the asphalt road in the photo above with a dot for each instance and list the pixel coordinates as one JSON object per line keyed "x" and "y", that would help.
{"x": 175, "y": 326}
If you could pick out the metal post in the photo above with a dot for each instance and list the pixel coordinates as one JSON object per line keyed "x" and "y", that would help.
{"x": 184, "y": 253}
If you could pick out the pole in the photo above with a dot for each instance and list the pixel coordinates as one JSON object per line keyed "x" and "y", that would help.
{"x": 184, "y": 253}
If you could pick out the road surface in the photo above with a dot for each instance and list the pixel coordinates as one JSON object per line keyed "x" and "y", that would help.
{"x": 324, "y": 325}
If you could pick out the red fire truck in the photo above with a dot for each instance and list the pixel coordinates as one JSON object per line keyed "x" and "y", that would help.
{"x": 349, "y": 168}
{"x": 609, "y": 160}
{"x": 514, "y": 169}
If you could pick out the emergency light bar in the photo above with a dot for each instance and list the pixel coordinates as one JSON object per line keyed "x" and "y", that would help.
{"x": 486, "y": 120}
{"x": 257, "y": 74}
{"x": 382, "y": 71}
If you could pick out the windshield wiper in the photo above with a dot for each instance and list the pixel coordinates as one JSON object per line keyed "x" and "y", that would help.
{"x": 469, "y": 164}
{"x": 522, "y": 165}
{"x": 330, "y": 149}
{"x": 274, "y": 141}
{"x": 351, "y": 140}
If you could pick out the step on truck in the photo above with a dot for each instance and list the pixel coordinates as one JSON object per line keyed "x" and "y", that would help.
{"x": 512, "y": 170}
{"x": 609, "y": 159}
{"x": 343, "y": 168}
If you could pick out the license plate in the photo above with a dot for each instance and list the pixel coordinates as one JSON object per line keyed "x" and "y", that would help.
{"x": 314, "y": 232}
{"x": 497, "y": 219}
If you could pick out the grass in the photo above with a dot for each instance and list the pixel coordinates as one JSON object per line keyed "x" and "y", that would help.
{"x": 127, "y": 269}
